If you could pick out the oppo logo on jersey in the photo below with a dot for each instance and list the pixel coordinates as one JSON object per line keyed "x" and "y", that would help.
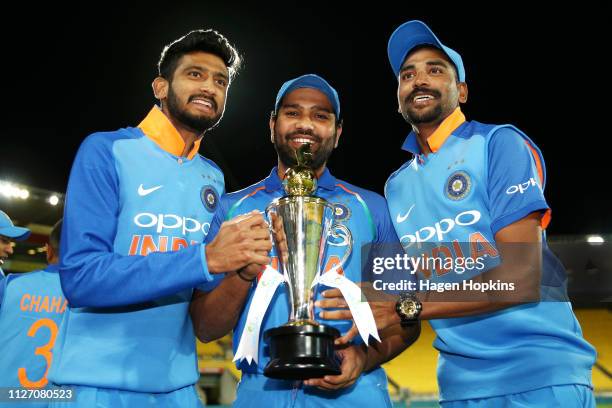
{"x": 522, "y": 187}
{"x": 170, "y": 221}
{"x": 441, "y": 228}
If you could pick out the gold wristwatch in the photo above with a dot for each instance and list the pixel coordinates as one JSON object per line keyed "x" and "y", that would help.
{"x": 408, "y": 307}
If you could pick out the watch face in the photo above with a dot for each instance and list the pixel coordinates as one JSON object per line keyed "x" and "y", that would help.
{"x": 408, "y": 308}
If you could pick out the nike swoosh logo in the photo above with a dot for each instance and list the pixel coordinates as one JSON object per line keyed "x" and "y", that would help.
{"x": 146, "y": 191}
{"x": 401, "y": 219}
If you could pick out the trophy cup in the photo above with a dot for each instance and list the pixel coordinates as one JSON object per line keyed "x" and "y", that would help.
{"x": 302, "y": 348}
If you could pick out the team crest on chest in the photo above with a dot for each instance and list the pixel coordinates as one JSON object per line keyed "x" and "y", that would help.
{"x": 209, "y": 197}
{"x": 341, "y": 212}
{"x": 458, "y": 185}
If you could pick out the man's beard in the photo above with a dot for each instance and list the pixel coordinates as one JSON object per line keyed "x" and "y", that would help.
{"x": 415, "y": 117}
{"x": 287, "y": 155}
{"x": 200, "y": 124}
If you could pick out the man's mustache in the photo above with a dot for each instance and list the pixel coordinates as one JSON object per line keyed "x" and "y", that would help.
{"x": 433, "y": 92}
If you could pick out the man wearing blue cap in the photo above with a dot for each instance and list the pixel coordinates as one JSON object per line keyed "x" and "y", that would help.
{"x": 307, "y": 110}
{"x": 476, "y": 190}
{"x": 9, "y": 233}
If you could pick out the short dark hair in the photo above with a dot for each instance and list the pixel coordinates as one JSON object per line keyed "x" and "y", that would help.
{"x": 54, "y": 236}
{"x": 209, "y": 41}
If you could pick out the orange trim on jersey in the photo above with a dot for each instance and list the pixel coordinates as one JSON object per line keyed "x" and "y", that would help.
{"x": 546, "y": 219}
{"x": 252, "y": 193}
{"x": 536, "y": 157}
{"x": 548, "y": 214}
{"x": 448, "y": 125}
{"x": 346, "y": 189}
{"x": 158, "y": 127}
{"x": 230, "y": 213}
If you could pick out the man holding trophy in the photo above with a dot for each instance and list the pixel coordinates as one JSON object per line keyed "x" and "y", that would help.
{"x": 320, "y": 226}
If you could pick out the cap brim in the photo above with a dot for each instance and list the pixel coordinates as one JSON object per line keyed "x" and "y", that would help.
{"x": 16, "y": 233}
{"x": 309, "y": 81}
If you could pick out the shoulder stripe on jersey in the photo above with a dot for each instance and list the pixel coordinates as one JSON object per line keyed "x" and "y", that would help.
{"x": 365, "y": 208}
{"x": 547, "y": 215}
{"x": 230, "y": 213}
{"x": 538, "y": 162}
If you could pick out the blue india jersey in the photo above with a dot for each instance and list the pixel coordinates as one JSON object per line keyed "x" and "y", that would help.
{"x": 477, "y": 180}
{"x": 363, "y": 212}
{"x": 135, "y": 217}
{"x": 31, "y": 309}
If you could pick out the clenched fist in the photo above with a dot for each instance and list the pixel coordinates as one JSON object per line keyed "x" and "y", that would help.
{"x": 241, "y": 241}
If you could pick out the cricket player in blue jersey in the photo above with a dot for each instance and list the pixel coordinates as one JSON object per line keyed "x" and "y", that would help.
{"x": 138, "y": 207}
{"x": 9, "y": 233}
{"x": 307, "y": 110}
{"x": 476, "y": 190}
{"x": 31, "y": 309}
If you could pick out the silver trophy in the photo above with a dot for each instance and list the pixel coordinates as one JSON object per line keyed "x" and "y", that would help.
{"x": 302, "y": 225}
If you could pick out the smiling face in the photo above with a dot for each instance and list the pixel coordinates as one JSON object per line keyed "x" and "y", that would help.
{"x": 305, "y": 116}
{"x": 428, "y": 90}
{"x": 195, "y": 95}
{"x": 6, "y": 248}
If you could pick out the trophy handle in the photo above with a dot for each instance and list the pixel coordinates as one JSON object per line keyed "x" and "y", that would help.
{"x": 333, "y": 232}
{"x": 277, "y": 236}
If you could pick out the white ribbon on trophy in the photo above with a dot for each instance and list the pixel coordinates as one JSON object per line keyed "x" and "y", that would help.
{"x": 248, "y": 347}
{"x": 361, "y": 311}
{"x": 249, "y": 341}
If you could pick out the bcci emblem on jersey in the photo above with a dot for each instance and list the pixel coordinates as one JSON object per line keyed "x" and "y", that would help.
{"x": 341, "y": 212}
{"x": 458, "y": 185}
{"x": 209, "y": 197}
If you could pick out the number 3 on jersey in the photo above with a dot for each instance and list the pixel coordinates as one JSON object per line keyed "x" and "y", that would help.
{"x": 44, "y": 351}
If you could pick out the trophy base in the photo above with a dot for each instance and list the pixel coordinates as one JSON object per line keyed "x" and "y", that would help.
{"x": 301, "y": 352}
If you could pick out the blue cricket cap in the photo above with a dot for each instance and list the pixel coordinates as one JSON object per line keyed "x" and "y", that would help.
{"x": 309, "y": 81}
{"x": 9, "y": 230}
{"x": 412, "y": 34}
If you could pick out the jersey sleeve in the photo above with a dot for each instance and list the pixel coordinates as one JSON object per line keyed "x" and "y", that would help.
{"x": 91, "y": 273}
{"x": 516, "y": 178}
{"x": 215, "y": 225}
{"x": 3, "y": 281}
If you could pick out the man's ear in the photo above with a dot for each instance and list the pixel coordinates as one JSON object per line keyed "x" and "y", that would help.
{"x": 338, "y": 133}
{"x": 271, "y": 124}
{"x": 160, "y": 88}
{"x": 50, "y": 253}
{"x": 463, "y": 92}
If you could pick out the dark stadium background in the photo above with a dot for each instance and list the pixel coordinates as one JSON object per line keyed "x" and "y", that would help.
{"x": 70, "y": 71}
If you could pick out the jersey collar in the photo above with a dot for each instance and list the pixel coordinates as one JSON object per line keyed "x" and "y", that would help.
{"x": 158, "y": 128}
{"x": 273, "y": 182}
{"x": 437, "y": 139}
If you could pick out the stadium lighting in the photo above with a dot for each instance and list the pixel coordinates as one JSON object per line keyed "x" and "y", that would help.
{"x": 7, "y": 189}
{"x": 11, "y": 191}
{"x": 595, "y": 239}
{"x": 53, "y": 200}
